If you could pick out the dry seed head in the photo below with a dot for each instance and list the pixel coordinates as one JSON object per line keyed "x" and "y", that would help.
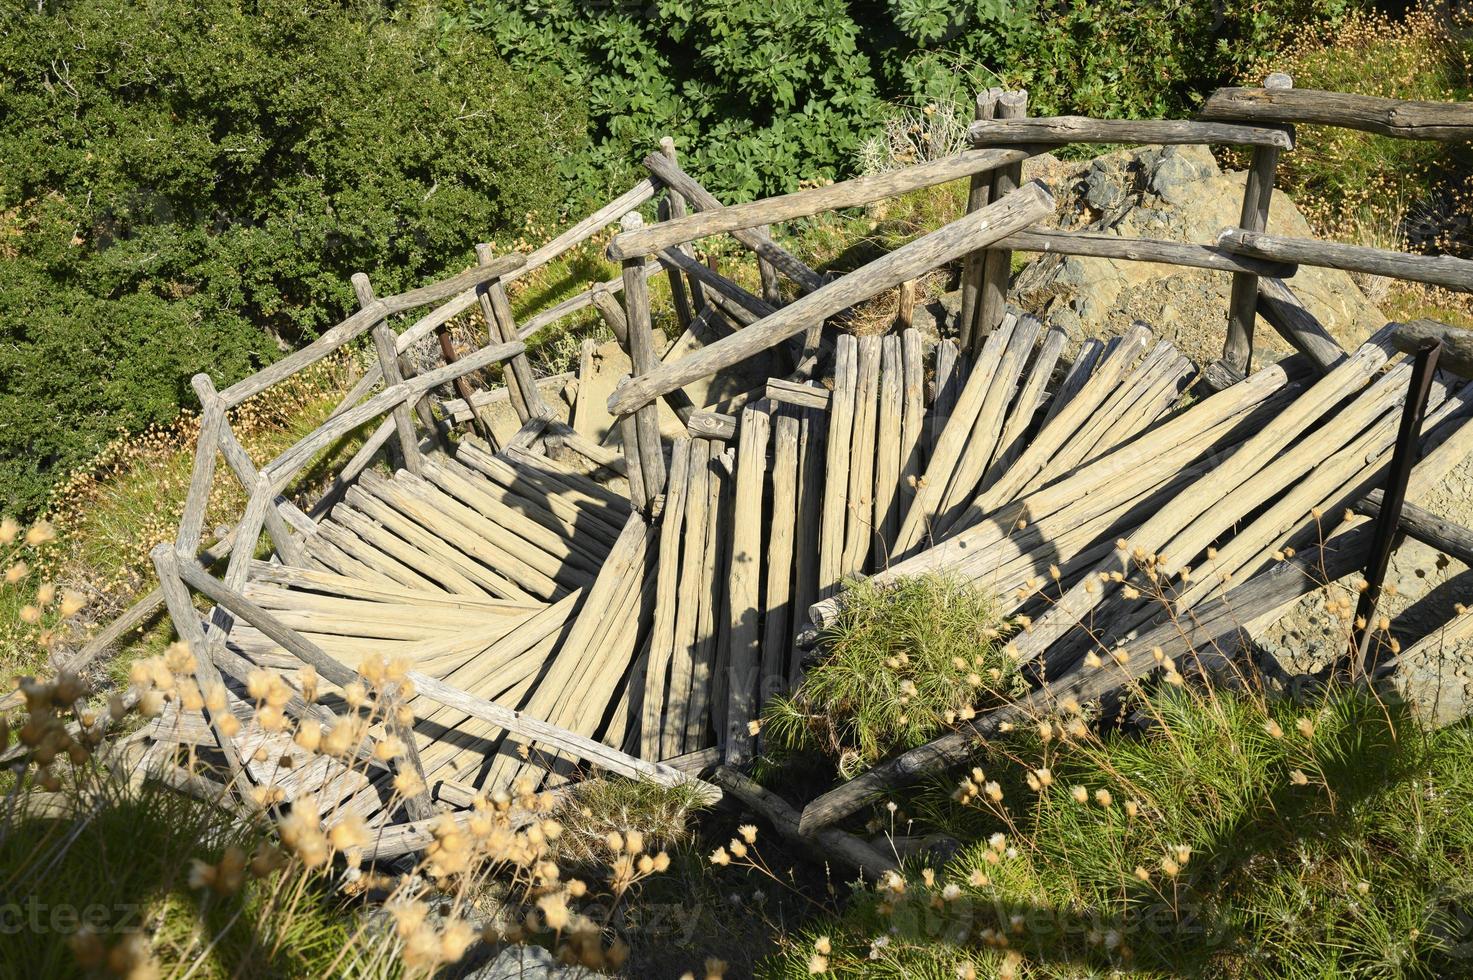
{"x": 1297, "y": 777}
{"x": 1080, "y": 794}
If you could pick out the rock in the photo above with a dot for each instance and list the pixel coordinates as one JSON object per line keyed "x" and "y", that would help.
{"x": 1177, "y": 194}
{"x": 527, "y": 963}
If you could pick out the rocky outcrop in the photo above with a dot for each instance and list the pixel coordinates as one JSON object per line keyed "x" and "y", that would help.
{"x": 1176, "y": 193}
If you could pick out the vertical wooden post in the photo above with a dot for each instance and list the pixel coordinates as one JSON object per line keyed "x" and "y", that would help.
{"x": 206, "y": 674}
{"x": 500, "y": 324}
{"x": 744, "y": 580}
{"x": 1237, "y": 350}
{"x": 197, "y": 500}
{"x": 997, "y": 264}
{"x": 287, "y": 545}
{"x": 905, "y": 306}
{"x": 771, "y": 290}
{"x": 642, "y": 355}
{"x": 678, "y": 209}
{"x": 388, "y": 360}
{"x": 979, "y": 192}
{"x": 364, "y": 291}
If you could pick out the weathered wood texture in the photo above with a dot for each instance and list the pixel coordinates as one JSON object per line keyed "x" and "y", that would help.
{"x": 651, "y": 239}
{"x": 1080, "y": 129}
{"x": 1439, "y": 270}
{"x": 1402, "y": 118}
{"x": 1011, "y": 214}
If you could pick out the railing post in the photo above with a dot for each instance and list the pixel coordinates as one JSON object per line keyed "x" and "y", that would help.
{"x": 388, "y": 361}
{"x": 235, "y": 455}
{"x": 496, "y": 309}
{"x": 979, "y": 192}
{"x": 1237, "y": 350}
{"x": 364, "y": 291}
{"x": 686, "y": 294}
{"x": 643, "y": 358}
{"x": 997, "y": 264}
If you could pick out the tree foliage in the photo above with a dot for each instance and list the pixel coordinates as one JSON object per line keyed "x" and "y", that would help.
{"x": 765, "y": 94}
{"x": 189, "y": 184}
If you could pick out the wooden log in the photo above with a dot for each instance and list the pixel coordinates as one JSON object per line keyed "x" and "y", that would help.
{"x": 1058, "y": 130}
{"x": 502, "y": 327}
{"x": 979, "y": 195}
{"x": 947, "y": 452}
{"x": 985, "y": 435}
{"x": 777, "y": 632}
{"x": 997, "y": 263}
{"x": 708, "y": 681}
{"x": 888, "y": 412}
{"x": 1215, "y": 627}
{"x": 362, "y": 321}
{"x": 1013, "y": 213}
{"x": 836, "y": 471}
{"x": 1457, "y": 344}
{"x": 913, "y": 418}
{"x": 950, "y": 378}
{"x": 697, "y": 196}
{"x": 716, "y": 219}
{"x": 201, "y": 478}
{"x": 843, "y": 849}
{"x": 1439, "y": 270}
{"x": 1237, "y": 351}
{"x": 662, "y": 645}
{"x": 793, "y": 393}
{"x": 859, "y": 522}
{"x": 744, "y": 307}
{"x": 1448, "y": 537}
{"x": 744, "y": 584}
{"x": 1107, "y": 246}
{"x": 1281, "y": 308}
{"x": 905, "y": 305}
{"x": 1030, "y": 397}
{"x": 688, "y": 598}
{"x": 528, "y": 727}
{"x": 168, "y": 566}
{"x": 644, "y": 361}
{"x": 388, "y": 362}
{"x": 678, "y": 210}
{"x": 711, "y": 425}
{"x": 1402, "y": 118}
{"x": 811, "y": 458}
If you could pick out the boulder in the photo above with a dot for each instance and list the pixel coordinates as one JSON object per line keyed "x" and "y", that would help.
{"x": 1176, "y": 193}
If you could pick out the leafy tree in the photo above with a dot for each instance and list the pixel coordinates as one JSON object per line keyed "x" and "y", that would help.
{"x": 189, "y": 184}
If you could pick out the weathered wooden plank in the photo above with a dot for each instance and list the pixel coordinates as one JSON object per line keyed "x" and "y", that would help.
{"x": 836, "y": 472}
{"x": 888, "y": 448}
{"x": 662, "y": 644}
{"x": 688, "y": 599}
{"x": 1081, "y": 129}
{"x": 979, "y": 194}
{"x": 1281, "y": 308}
{"x": 1403, "y": 118}
{"x": 859, "y": 521}
{"x": 913, "y": 419}
{"x": 997, "y": 262}
{"x": 811, "y": 459}
{"x": 1107, "y": 246}
{"x": 1457, "y": 344}
{"x": 1439, "y": 270}
{"x": 744, "y": 583}
{"x": 777, "y": 632}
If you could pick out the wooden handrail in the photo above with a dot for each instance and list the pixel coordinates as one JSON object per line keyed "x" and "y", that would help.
{"x": 1401, "y": 118}
{"x": 1011, "y": 214}
{"x": 651, "y": 239}
{"x": 1438, "y": 270}
{"x": 1059, "y": 130}
{"x": 1106, "y": 246}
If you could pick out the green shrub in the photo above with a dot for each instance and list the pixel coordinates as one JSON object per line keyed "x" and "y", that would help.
{"x": 765, "y": 95}
{"x": 189, "y": 185}
{"x": 1234, "y": 837}
{"x": 900, "y": 662}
